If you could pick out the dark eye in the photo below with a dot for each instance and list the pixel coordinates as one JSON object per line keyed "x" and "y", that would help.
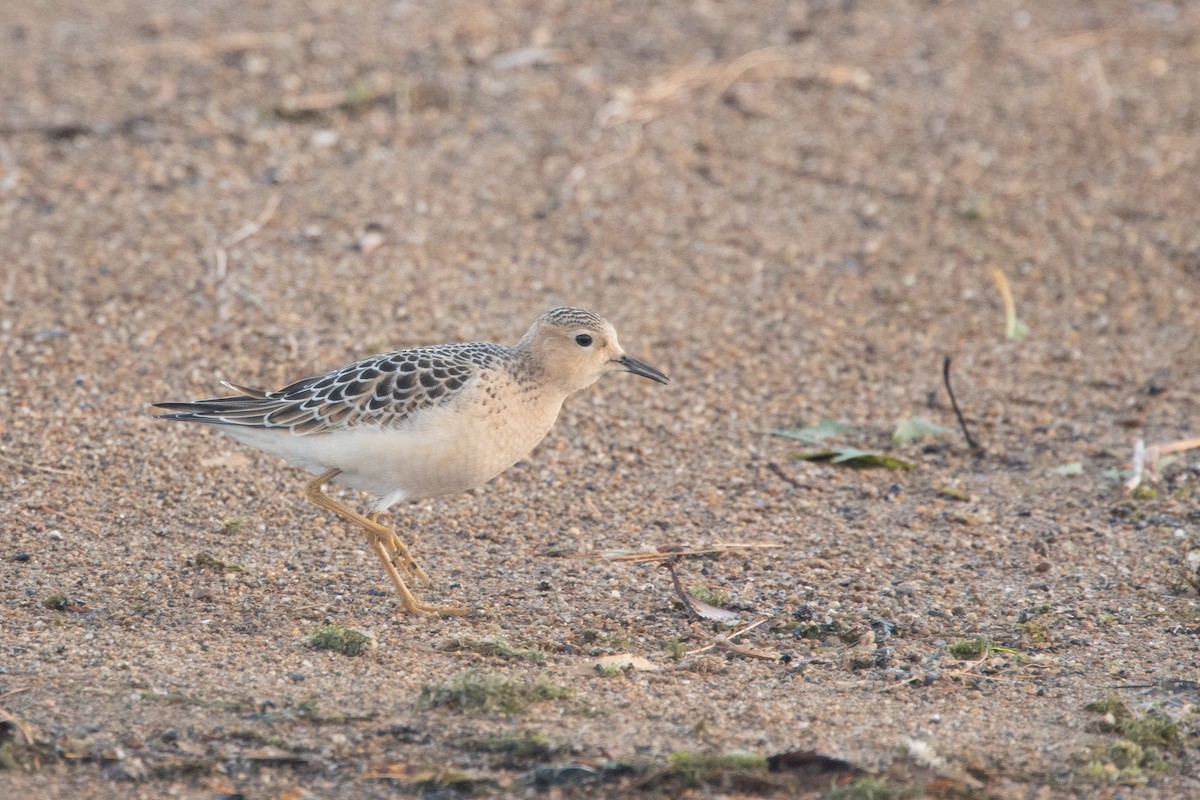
{"x": 583, "y": 340}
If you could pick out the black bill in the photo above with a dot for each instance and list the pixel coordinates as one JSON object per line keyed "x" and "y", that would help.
{"x": 631, "y": 364}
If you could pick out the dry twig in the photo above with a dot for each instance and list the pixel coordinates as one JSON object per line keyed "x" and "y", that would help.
{"x": 44, "y": 507}
{"x": 725, "y": 642}
{"x": 1178, "y": 446}
{"x": 773, "y": 62}
{"x": 962, "y": 422}
{"x": 358, "y": 97}
{"x": 203, "y": 48}
{"x": 21, "y": 725}
{"x": 1146, "y": 459}
{"x": 667, "y": 553}
{"x": 39, "y": 468}
{"x": 254, "y": 226}
{"x": 779, "y": 472}
{"x": 221, "y": 256}
{"x": 1138, "y": 466}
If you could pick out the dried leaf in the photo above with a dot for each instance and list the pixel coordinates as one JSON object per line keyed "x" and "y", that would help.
{"x": 698, "y": 607}
{"x": 625, "y": 661}
{"x": 826, "y": 429}
{"x": 709, "y": 611}
{"x": 232, "y": 460}
{"x": 853, "y": 457}
{"x": 1016, "y": 329}
{"x": 914, "y": 428}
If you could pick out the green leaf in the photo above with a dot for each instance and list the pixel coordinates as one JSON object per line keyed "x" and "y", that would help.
{"x": 853, "y": 457}
{"x": 914, "y": 428}
{"x": 814, "y": 434}
{"x": 1074, "y": 468}
{"x": 1015, "y": 329}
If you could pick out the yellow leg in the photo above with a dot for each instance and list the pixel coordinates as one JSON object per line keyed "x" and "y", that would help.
{"x": 398, "y": 550}
{"x": 377, "y": 535}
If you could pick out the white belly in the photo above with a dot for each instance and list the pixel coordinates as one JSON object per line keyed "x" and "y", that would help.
{"x": 445, "y": 450}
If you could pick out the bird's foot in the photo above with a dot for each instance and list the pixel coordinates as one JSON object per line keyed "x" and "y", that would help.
{"x": 397, "y": 552}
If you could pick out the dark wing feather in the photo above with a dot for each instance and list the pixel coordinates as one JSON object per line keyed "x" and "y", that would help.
{"x": 381, "y": 391}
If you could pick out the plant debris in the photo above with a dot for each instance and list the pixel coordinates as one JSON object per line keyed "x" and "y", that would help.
{"x": 818, "y": 434}
{"x": 691, "y": 770}
{"x": 623, "y": 662}
{"x": 475, "y": 690}
{"x": 211, "y": 562}
{"x": 515, "y": 749}
{"x": 791, "y": 480}
{"x": 353, "y": 100}
{"x": 436, "y": 782}
{"x": 1144, "y": 745}
{"x": 1015, "y": 330}
{"x": 343, "y": 639}
{"x": 853, "y": 457}
{"x": 962, "y": 422}
{"x": 709, "y": 596}
{"x": 725, "y": 643}
{"x": 912, "y": 429}
{"x": 697, "y": 607}
{"x": 673, "y": 552}
{"x": 1148, "y": 460}
{"x": 56, "y": 601}
{"x": 496, "y": 646}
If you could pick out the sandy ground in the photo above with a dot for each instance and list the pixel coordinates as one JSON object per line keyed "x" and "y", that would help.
{"x": 794, "y": 209}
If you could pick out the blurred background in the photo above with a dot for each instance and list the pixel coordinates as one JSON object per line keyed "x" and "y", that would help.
{"x": 795, "y": 209}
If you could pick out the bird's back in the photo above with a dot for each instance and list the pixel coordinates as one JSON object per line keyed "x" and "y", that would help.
{"x": 380, "y": 391}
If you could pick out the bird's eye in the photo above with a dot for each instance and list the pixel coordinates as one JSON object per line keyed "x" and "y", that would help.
{"x": 583, "y": 340}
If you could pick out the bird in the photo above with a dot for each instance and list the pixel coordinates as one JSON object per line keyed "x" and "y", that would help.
{"x": 421, "y": 422}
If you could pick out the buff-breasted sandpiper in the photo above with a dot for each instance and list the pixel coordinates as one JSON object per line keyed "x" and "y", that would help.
{"x": 422, "y": 422}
